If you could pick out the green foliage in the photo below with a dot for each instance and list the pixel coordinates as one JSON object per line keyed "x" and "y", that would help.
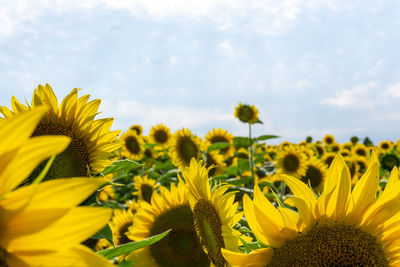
{"x": 129, "y": 247}
{"x": 105, "y": 233}
{"x": 121, "y": 165}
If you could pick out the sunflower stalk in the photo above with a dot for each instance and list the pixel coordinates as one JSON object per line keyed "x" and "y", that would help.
{"x": 251, "y": 160}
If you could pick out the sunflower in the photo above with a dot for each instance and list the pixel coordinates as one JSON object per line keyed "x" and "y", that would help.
{"x": 132, "y": 145}
{"x": 246, "y": 113}
{"x": 291, "y": 161}
{"x": 121, "y": 221}
{"x": 389, "y": 160}
{"x": 220, "y": 135}
{"x": 339, "y": 228}
{"x": 214, "y": 212}
{"x": 385, "y": 146}
{"x": 320, "y": 149}
{"x": 345, "y": 152}
{"x": 184, "y": 147}
{"x": 360, "y": 150}
{"x": 216, "y": 162}
{"x": 315, "y": 174}
{"x": 160, "y": 134}
{"x": 145, "y": 187}
{"x": 92, "y": 142}
{"x": 328, "y": 139}
{"x": 137, "y": 128}
{"x": 40, "y": 224}
{"x": 328, "y": 158}
{"x": 181, "y": 247}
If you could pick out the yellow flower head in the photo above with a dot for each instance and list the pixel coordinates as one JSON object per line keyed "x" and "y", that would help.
{"x": 340, "y": 227}
{"x": 168, "y": 210}
{"x": 92, "y": 142}
{"x": 145, "y": 187}
{"x": 220, "y": 135}
{"x": 160, "y": 134}
{"x": 132, "y": 145}
{"x": 40, "y": 224}
{"x": 184, "y": 147}
{"x": 137, "y": 128}
{"x": 214, "y": 212}
{"x": 121, "y": 221}
{"x": 246, "y": 113}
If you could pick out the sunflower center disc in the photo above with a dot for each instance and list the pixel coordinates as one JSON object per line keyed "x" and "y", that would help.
{"x": 187, "y": 150}
{"x": 132, "y": 145}
{"x": 122, "y": 238}
{"x": 331, "y": 245}
{"x": 389, "y": 161}
{"x": 147, "y": 192}
{"x": 181, "y": 247}
{"x": 160, "y": 136}
{"x": 313, "y": 175}
{"x": 291, "y": 163}
{"x": 209, "y": 227}
{"x": 72, "y": 162}
{"x": 3, "y": 262}
{"x": 246, "y": 114}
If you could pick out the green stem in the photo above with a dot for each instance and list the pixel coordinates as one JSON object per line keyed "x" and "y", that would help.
{"x": 251, "y": 155}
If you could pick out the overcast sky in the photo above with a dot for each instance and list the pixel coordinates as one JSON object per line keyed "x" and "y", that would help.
{"x": 310, "y": 67}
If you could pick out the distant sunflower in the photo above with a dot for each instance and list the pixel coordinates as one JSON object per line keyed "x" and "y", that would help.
{"x": 320, "y": 149}
{"x": 342, "y": 227}
{"x": 291, "y": 161}
{"x": 328, "y": 158}
{"x": 121, "y": 221}
{"x": 315, "y": 174}
{"x": 385, "y": 146}
{"x": 137, "y": 128}
{"x": 345, "y": 152}
{"x": 145, "y": 187}
{"x": 184, "y": 147}
{"x": 360, "y": 150}
{"x": 92, "y": 142}
{"x": 40, "y": 223}
{"x": 181, "y": 247}
{"x": 160, "y": 134}
{"x": 214, "y": 211}
{"x": 132, "y": 145}
{"x": 389, "y": 160}
{"x": 328, "y": 139}
{"x": 246, "y": 113}
{"x": 220, "y": 135}
{"x": 216, "y": 161}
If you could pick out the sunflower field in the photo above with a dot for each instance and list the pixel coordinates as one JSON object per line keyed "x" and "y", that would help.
{"x": 75, "y": 193}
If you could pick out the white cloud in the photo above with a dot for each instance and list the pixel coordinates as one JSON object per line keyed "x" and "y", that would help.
{"x": 175, "y": 117}
{"x": 393, "y": 90}
{"x": 267, "y": 17}
{"x": 173, "y": 60}
{"x": 358, "y": 96}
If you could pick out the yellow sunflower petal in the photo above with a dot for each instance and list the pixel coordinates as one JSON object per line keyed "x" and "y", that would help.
{"x": 76, "y": 226}
{"x": 28, "y": 157}
{"x": 363, "y": 193}
{"x": 60, "y": 193}
{"x": 15, "y": 224}
{"x": 17, "y": 129}
{"x": 79, "y": 256}
{"x": 256, "y": 258}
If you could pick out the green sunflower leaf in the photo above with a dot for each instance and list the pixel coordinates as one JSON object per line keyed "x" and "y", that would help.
{"x": 241, "y": 141}
{"x": 218, "y": 145}
{"x": 105, "y": 233}
{"x": 129, "y": 247}
{"x": 121, "y": 165}
{"x": 265, "y": 137}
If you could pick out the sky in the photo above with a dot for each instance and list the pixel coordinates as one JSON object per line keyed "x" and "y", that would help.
{"x": 310, "y": 67}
